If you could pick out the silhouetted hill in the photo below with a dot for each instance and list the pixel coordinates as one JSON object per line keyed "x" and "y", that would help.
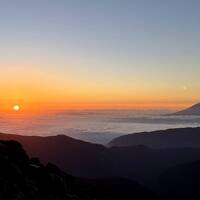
{"x": 22, "y": 178}
{"x": 181, "y": 182}
{"x": 84, "y": 159}
{"x": 145, "y": 164}
{"x": 171, "y": 138}
{"x": 74, "y": 156}
{"x": 193, "y": 110}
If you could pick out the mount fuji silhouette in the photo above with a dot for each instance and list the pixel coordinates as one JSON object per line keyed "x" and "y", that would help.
{"x": 193, "y": 110}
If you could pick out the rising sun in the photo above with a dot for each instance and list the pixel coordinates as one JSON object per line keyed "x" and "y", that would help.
{"x": 16, "y": 107}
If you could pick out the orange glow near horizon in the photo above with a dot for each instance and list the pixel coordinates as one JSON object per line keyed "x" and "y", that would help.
{"x": 59, "y": 107}
{"x": 38, "y": 91}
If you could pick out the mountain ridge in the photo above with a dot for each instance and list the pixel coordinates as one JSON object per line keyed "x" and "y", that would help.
{"x": 88, "y": 160}
{"x": 193, "y": 110}
{"x": 22, "y": 178}
{"x": 169, "y": 138}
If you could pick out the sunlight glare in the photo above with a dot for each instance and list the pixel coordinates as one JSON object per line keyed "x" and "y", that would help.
{"x": 16, "y": 107}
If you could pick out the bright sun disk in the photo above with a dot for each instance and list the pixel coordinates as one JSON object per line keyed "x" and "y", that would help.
{"x": 16, "y": 107}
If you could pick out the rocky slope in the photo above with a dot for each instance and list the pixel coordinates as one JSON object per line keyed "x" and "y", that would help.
{"x": 22, "y": 178}
{"x": 138, "y": 163}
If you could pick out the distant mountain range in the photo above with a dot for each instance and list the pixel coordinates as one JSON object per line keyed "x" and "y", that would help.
{"x": 193, "y": 110}
{"x": 140, "y": 163}
{"x": 171, "y": 138}
{"x": 174, "y": 173}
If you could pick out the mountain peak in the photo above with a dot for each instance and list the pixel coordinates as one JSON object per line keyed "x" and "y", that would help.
{"x": 193, "y": 110}
{"x": 197, "y": 105}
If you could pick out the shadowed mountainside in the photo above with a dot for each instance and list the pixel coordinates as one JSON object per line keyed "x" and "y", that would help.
{"x": 171, "y": 138}
{"x": 22, "y": 178}
{"x": 84, "y": 159}
{"x": 181, "y": 182}
{"x": 74, "y": 156}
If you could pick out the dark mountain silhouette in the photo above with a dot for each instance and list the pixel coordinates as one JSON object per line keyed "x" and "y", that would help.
{"x": 193, "y": 110}
{"x": 74, "y": 156}
{"x": 84, "y": 159}
{"x": 171, "y": 138}
{"x": 22, "y": 178}
{"x": 145, "y": 165}
{"x": 181, "y": 182}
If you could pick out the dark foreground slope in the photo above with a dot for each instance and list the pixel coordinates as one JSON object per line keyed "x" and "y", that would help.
{"x": 84, "y": 159}
{"x": 181, "y": 182}
{"x": 146, "y": 165}
{"x": 22, "y": 178}
{"x": 171, "y": 138}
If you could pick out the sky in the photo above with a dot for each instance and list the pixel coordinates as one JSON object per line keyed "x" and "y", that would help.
{"x": 65, "y": 54}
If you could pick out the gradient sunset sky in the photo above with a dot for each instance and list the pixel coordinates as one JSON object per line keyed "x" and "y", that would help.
{"x": 99, "y": 53}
